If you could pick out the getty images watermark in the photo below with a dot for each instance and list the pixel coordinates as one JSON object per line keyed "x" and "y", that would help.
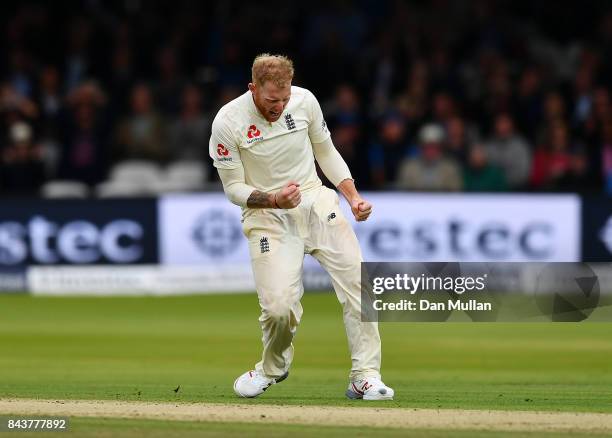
{"x": 559, "y": 292}
{"x": 412, "y": 285}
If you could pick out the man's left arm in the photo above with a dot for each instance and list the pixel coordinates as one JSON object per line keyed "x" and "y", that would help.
{"x": 337, "y": 172}
{"x": 331, "y": 162}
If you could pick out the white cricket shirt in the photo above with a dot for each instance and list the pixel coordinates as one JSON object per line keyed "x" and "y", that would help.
{"x": 270, "y": 153}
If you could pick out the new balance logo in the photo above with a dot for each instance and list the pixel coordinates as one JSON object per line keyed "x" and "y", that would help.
{"x": 289, "y": 122}
{"x": 264, "y": 245}
{"x": 331, "y": 216}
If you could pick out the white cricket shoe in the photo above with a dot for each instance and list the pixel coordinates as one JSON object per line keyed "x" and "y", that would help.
{"x": 251, "y": 384}
{"x": 371, "y": 388}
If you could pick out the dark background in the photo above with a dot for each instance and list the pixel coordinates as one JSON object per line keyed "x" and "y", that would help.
{"x": 518, "y": 89}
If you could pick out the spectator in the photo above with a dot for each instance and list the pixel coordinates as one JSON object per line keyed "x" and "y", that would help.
{"x": 171, "y": 82}
{"x": 509, "y": 151}
{"x": 498, "y": 91}
{"x": 413, "y": 102}
{"x": 142, "y": 135}
{"x": 15, "y": 106}
{"x": 84, "y": 146}
{"x": 23, "y": 170}
{"x": 20, "y": 76}
{"x": 388, "y": 150}
{"x": 598, "y": 116}
{"x": 79, "y": 57}
{"x": 121, "y": 78}
{"x": 431, "y": 170}
{"x": 554, "y": 108}
{"x": 458, "y": 139}
{"x": 189, "y": 132}
{"x": 528, "y": 102}
{"x": 345, "y": 107}
{"x": 479, "y": 175}
{"x": 577, "y": 178}
{"x": 348, "y": 141}
{"x": 347, "y": 124}
{"x": 552, "y": 161}
{"x": 583, "y": 95}
{"x": 553, "y": 112}
{"x": 443, "y": 108}
{"x": 50, "y": 100}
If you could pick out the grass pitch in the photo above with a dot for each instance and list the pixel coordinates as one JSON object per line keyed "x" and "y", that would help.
{"x": 192, "y": 348}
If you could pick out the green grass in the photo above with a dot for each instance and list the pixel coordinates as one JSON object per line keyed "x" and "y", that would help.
{"x": 121, "y": 428}
{"x": 144, "y": 348}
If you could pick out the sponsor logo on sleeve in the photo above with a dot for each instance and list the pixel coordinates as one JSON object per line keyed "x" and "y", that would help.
{"x": 223, "y": 153}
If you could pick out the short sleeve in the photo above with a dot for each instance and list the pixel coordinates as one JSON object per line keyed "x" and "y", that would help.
{"x": 317, "y": 128}
{"x": 222, "y": 147}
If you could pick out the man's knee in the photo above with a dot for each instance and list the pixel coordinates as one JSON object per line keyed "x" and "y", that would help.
{"x": 279, "y": 311}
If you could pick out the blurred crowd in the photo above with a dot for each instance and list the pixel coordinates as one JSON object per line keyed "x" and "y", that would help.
{"x": 437, "y": 95}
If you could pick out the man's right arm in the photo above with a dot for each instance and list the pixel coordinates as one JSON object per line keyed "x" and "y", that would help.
{"x": 226, "y": 157}
{"x": 262, "y": 200}
{"x": 242, "y": 194}
{"x": 224, "y": 152}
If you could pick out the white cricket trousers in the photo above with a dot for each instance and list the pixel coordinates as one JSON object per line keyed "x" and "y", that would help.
{"x": 278, "y": 240}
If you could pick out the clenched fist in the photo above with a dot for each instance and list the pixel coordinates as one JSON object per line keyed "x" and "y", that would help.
{"x": 289, "y": 196}
{"x": 361, "y": 209}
